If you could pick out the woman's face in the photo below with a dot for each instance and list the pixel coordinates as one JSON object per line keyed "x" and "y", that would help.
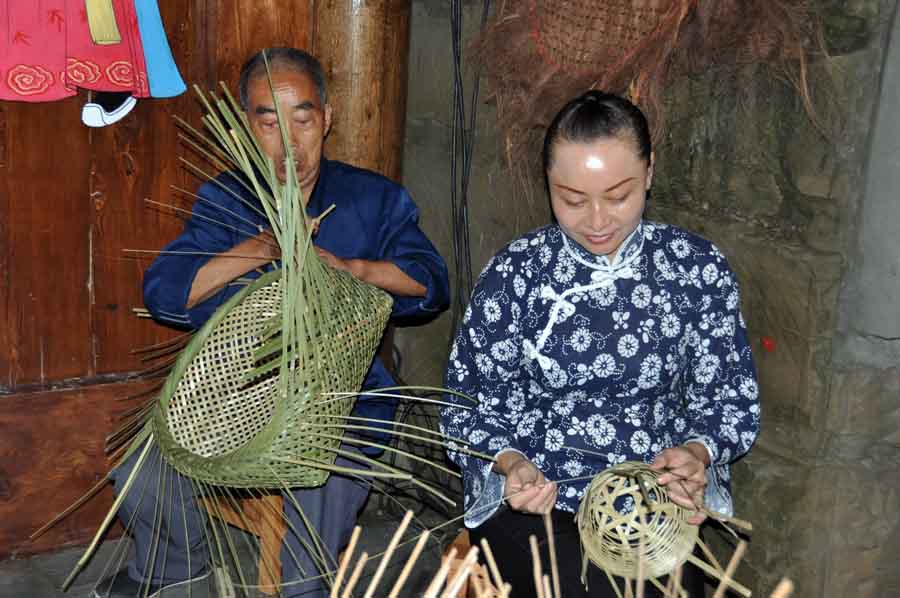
{"x": 598, "y": 191}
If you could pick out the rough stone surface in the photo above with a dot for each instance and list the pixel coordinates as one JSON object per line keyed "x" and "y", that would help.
{"x": 808, "y": 217}
{"x": 809, "y": 222}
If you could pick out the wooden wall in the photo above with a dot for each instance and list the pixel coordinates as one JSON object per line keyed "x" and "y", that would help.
{"x": 71, "y": 202}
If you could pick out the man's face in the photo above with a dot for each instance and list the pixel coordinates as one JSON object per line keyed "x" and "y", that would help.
{"x": 307, "y": 121}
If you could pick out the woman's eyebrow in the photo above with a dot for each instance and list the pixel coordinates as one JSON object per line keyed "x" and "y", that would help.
{"x": 607, "y": 190}
{"x": 570, "y": 189}
{"x": 619, "y": 184}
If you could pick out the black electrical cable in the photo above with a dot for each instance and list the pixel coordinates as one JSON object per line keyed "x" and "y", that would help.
{"x": 462, "y": 143}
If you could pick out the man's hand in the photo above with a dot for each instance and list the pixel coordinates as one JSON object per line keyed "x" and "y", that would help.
{"x": 526, "y": 490}
{"x": 265, "y": 246}
{"x": 335, "y": 262}
{"x": 684, "y": 476}
{"x": 219, "y": 271}
{"x": 384, "y": 275}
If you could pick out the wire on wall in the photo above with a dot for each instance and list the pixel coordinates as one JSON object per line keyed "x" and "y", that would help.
{"x": 462, "y": 143}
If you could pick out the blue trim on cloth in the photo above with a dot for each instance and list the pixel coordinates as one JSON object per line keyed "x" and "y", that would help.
{"x": 163, "y": 76}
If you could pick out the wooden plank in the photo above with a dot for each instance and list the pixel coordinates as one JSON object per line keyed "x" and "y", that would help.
{"x": 47, "y": 220}
{"x": 51, "y": 454}
{"x": 245, "y": 28}
{"x": 134, "y": 160}
{"x": 6, "y": 338}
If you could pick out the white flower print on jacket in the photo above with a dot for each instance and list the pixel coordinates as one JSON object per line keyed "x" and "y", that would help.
{"x": 567, "y": 351}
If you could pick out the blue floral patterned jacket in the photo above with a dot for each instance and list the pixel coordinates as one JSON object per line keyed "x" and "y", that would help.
{"x": 580, "y": 363}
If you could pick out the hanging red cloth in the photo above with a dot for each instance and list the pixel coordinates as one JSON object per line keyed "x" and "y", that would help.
{"x": 46, "y": 51}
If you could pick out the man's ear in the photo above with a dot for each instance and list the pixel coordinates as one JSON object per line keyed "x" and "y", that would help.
{"x": 650, "y": 170}
{"x": 327, "y": 112}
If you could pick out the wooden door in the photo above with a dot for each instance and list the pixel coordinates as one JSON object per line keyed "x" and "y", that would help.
{"x": 72, "y": 203}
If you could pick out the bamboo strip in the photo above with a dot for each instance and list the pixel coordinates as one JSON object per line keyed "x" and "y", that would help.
{"x": 345, "y": 561}
{"x": 357, "y": 571}
{"x": 410, "y": 563}
{"x": 392, "y": 546}
{"x": 730, "y": 569}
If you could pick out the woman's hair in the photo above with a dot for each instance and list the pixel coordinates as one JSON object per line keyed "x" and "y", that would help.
{"x": 597, "y": 115}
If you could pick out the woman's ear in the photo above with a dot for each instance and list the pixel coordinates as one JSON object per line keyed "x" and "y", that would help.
{"x": 650, "y": 170}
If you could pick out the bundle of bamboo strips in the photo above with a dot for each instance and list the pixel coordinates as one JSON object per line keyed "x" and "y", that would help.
{"x": 461, "y": 576}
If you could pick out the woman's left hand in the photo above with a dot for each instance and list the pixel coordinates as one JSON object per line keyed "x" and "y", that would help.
{"x": 684, "y": 476}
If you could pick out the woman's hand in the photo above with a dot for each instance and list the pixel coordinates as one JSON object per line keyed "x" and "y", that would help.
{"x": 684, "y": 476}
{"x": 526, "y": 490}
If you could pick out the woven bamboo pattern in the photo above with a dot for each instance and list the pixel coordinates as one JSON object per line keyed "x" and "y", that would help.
{"x": 216, "y": 422}
{"x": 626, "y": 517}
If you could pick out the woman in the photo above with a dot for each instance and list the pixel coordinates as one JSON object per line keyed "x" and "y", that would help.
{"x": 597, "y": 339}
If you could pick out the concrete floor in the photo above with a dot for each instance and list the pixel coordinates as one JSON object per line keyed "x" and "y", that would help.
{"x": 41, "y": 576}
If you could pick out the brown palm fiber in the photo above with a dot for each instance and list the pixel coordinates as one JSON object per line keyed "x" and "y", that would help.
{"x": 537, "y": 54}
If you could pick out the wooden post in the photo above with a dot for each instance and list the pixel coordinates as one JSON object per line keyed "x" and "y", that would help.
{"x": 243, "y": 28}
{"x": 364, "y": 48}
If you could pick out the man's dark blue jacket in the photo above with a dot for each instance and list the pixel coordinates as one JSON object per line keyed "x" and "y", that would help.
{"x": 374, "y": 219}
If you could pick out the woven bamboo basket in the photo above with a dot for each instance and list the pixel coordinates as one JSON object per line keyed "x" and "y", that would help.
{"x": 626, "y": 517}
{"x": 217, "y": 423}
{"x": 538, "y": 54}
{"x": 577, "y": 37}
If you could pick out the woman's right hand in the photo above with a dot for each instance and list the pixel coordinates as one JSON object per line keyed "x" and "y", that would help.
{"x": 526, "y": 489}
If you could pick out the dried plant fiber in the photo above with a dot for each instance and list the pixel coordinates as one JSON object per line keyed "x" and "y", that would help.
{"x": 538, "y": 54}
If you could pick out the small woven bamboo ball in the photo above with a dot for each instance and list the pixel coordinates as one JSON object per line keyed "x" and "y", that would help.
{"x": 625, "y": 513}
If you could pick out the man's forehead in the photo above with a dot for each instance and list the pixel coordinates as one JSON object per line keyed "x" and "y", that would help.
{"x": 288, "y": 84}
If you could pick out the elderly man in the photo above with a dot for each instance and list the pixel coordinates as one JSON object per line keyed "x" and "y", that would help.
{"x": 372, "y": 233}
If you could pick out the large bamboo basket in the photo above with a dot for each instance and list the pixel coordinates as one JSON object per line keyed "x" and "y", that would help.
{"x": 217, "y": 423}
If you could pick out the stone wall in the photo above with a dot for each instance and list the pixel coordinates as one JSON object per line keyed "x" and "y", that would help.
{"x": 809, "y": 218}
